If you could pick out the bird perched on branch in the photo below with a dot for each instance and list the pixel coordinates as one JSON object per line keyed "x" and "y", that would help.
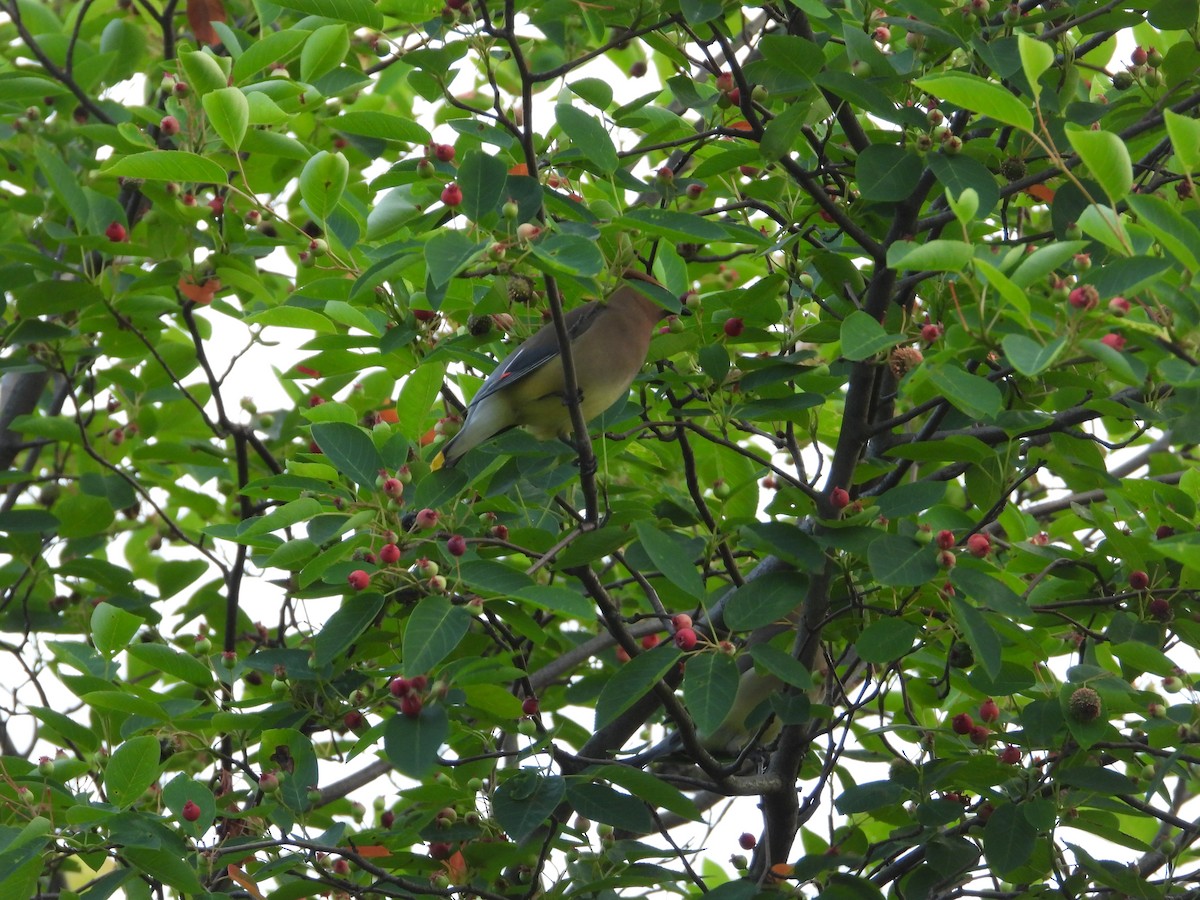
{"x": 609, "y": 343}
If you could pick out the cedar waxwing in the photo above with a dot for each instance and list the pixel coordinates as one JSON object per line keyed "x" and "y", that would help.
{"x": 609, "y": 343}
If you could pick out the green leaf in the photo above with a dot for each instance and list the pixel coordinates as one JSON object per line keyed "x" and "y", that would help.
{"x": 862, "y": 336}
{"x": 1028, "y": 356}
{"x": 959, "y": 174}
{"x": 420, "y": 391}
{"x": 650, "y": 788}
{"x": 268, "y": 49}
{"x": 173, "y": 575}
{"x": 697, "y": 12}
{"x": 281, "y": 517}
{"x": 432, "y": 632}
{"x": 900, "y": 561}
{"x": 169, "y": 660}
{"x": 228, "y": 113}
{"x": 671, "y": 555}
{"x": 1036, "y": 59}
{"x": 888, "y": 172}
{"x": 1185, "y": 139}
{"x": 323, "y": 52}
{"x": 886, "y": 641}
{"x": 569, "y": 254}
{"x": 979, "y": 634}
{"x": 973, "y": 394}
{"x": 710, "y": 683}
{"x": 782, "y": 665}
{"x": 482, "y": 178}
{"x": 132, "y": 768}
{"x": 1107, "y": 158}
{"x": 204, "y": 71}
{"x": 764, "y": 600}
{"x": 1008, "y": 839}
{"x": 411, "y": 744}
{"x": 979, "y": 94}
{"x": 345, "y": 626}
{"x": 1177, "y": 234}
{"x": 167, "y": 165}
{"x": 936, "y": 255}
{"x": 356, "y": 12}
{"x": 596, "y": 91}
{"x": 382, "y": 126}
{"x": 447, "y": 252}
{"x": 322, "y": 182}
{"x": 587, "y": 136}
{"x": 869, "y": 797}
{"x": 783, "y": 132}
{"x": 676, "y": 226}
{"x": 166, "y": 866}
{"x": 350, "y": 449}
{"x": 526, "y": 800}
{"x": 113, "y": 628}
{"x": 600, "y": 803}
{"x": 633, "y": 681}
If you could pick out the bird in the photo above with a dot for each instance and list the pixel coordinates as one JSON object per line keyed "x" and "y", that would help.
{"x": 609, "y": 343}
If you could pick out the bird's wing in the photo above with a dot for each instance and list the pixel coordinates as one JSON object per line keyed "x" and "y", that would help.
{"x": 537, "y": 351}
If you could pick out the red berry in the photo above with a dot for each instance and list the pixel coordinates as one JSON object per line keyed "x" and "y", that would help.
{"x": 353, "y": 720}
{"x": 456, "y": 545}
{"x": 962, "y": 723}
{"x": 217, "y": 205}
{"x": 1163, "y": 531}
{"x": 424, "y": 315}
{"x": 979, "y": 545}
{"x": 410, "y": 705}
{"x": 191, "y": 812}
{"x": 747, "y": 841}
{"x": 694, "y": 190}
{"x": 441, "y": 849}
{"x": 839, "y": 498}
{"x": 989, "y": 711}
{"x": 443, "y": 152}
{"x": 359, "y": 580}
{"x": 946, "y": 559}
{"x": 1113, "y": 340}
{"x": 622, "y": 655}
{"x": 452, "y": 194}
{"x": 980, "y": 735}
{"x": 388, "y": 819}
{"x": 734, "y": 326}
{"x": 400, "y": 687}
{"x": 1010, "y": 755}
{"x": 1159, "y": 608}
{"x": 529, "y": 706}
{"x": 499, "y": 532}
{"x": 115, "y": 232}
{"x": 725, "y": 82}
{"x": 169, "y": 126}
{"x": 685, "y": 639}
{"x": 945, "y": 540}
{"x": 1084, "y": 297}
{"x": 1139, "y": 56}
{"x": 389, "y": 554}
{"x": 1139, "y": 580}
{"x": 650, "y": 641}
{"x": 931, "y": 332}
{"x": 419, "y": 682}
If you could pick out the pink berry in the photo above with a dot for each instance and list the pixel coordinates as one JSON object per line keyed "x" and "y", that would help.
{"x": 989, "y": 711}
{"x": 169, "y": 126}
{"x": 393, "y": 487}
{"x": 685, "y": 639}
{"x": 359, "y": 580}
{"x": 427, "y": 518}
{"x": 1113, "y": 340}
{"x": 979, "y": 545}
{"x": 389, "y": 554}
{"x": 839, "y": 498}
{"x": 945, "y": 540}
{"x": 650, "y": 641}
{"x": 1118, "y": 306}
{"x": 681, "y": 620}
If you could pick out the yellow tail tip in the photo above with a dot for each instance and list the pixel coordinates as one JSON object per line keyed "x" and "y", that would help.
{"x": 438, "y": 462}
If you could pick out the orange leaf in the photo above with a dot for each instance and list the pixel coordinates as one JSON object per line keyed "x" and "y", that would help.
{"x": 780, "y": 871}
{"x": 456, "y": 868}
{"x": 1040, "y": 192}
{"x": 389, "y": 415}
{"x": 199, "y": 293}
{"x": 428, "y": 437}
{"x": 200, "y": 15}
{"x": 245, "y": 881}
{"x": 519, "y": 169}
{"x": 739, "y": 125}
{"x": 371, "y": 851}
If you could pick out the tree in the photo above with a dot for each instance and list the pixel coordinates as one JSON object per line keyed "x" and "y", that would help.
{"x": 914, "y": 448}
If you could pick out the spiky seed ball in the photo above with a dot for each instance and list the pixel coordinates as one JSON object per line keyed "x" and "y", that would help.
{"x": 1084, "y": 705}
